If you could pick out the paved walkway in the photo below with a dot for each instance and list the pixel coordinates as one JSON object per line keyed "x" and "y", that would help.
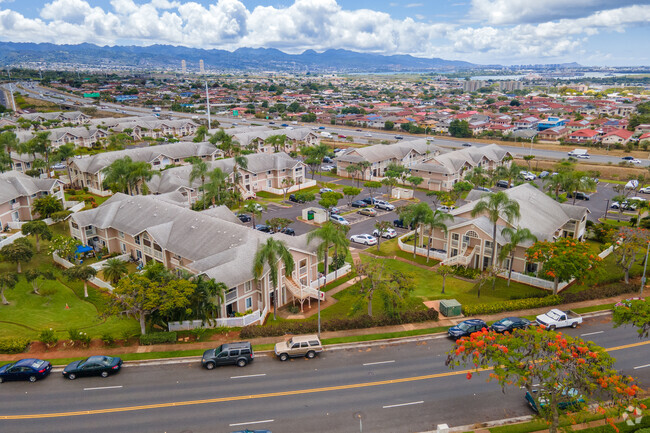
{"x": 233, "y": 336}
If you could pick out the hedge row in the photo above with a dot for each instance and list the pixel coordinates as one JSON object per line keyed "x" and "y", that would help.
{"x": 513, "y": 305}
{"x": 13, "y": 345}
{"x": 158, "y": 338}
{"x": 309, "y": 327}
{"x": 599, "y": 292}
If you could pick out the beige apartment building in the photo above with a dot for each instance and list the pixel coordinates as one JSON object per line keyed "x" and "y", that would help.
{"x": 213, "y": 243}
{"x": 18, "y": 192}
{"x": 469, "y": 239}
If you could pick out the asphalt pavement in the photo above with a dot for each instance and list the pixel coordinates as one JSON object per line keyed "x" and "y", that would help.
{"x": 393, "y": 388}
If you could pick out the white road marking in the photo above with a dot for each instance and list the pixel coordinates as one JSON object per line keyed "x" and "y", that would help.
{"x": 403, "y": 404}
{"x": 250, "y": 375}
{"x": 592, "y": 333}
{"x": 642, "y": 366}
{"x": 103, "y": 387}
{"x": 380, "y": 362}
{"x": 251, "y": 422}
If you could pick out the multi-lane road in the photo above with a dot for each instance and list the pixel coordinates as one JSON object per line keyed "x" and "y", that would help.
{"x": 381, "y": 388}
{"x": 520, "y": 149}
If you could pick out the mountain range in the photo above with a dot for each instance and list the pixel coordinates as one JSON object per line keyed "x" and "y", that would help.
{"x": 169, "y": 57}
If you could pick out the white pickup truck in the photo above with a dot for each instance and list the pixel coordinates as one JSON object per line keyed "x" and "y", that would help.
{"x": 559, "y": 319}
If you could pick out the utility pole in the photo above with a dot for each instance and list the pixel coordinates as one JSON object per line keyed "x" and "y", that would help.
{"x": 11, "y": 94}
{"x": 207, "y": 103}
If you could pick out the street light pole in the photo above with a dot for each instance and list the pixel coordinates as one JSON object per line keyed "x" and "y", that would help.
{"x": 207, "y": 103}
{"x": 645, "y": 265}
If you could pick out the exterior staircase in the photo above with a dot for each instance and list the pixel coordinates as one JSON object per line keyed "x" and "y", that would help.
{"x": 462, "y": 259}
{"x": 302, "y": 292}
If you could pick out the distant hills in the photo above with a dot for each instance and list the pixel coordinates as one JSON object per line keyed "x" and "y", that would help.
{"x": 253, "y": 59}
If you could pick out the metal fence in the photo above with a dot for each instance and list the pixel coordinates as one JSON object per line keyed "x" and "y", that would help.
{"x": 229, "y": 322}
{"x": 344, "y": 270}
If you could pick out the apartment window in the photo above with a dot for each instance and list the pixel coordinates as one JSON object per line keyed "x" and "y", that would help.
{"x": 74, "y": 225}
{"x": 269, "y": 183}
{"x": 121, "y": 235}
{"x": 137, "y": 240}
{"x": 249, "y": 302}
{"x": 248, "y": 286}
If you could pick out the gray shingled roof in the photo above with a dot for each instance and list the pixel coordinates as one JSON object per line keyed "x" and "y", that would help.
{"x": 383, "y": 152}
{"x": 220, "y": 248}
{"x": 14, "y": 184}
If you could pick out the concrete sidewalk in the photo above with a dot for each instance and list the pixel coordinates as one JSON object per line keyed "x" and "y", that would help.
{"x": 220, "y": 339}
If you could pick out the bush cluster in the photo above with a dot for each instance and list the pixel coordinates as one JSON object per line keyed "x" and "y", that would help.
{"x": 464, "y": 272}
{"x": 158, "y": 338}
{"x": 79, "y": 337}
{"x": 342, "y": 324}
{"x": 13, "y": 345}
{"x": 513, "y": 305}
{"x": 48, "y": 337}
{"x": 599, "y": 292}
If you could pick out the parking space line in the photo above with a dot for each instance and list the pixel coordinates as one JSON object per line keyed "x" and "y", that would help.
{"x": 379, "y": 362}
{"x": 592, "y": 333}
{"x": 250, "y": 422}
{"x": 103, "y": 387}
{"x": 403, "y": 404}
{"x": 642, "y": 366}
{"x": 249, "y": 375}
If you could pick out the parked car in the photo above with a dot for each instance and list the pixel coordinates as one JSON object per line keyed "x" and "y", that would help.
{"x": 384, "y": 205}
{"x": 30, "y": 369}
{"x": 387, "y": 233}
{"x": 93, "y": 366}
{"x": 368, "y": 211}
{"x": 570, "y": 398}
{"x": 245, "y": 218}
{"x": 299, "y": 345}
{"x": 58, "y": 166}
{"x": 503, "y": 184}
{"x": 579, "y": 195}
{"x": 263, "y": 228}
{"x": 400, "y": 224}
{"x": 324, "y": 190}
{"x": 482, "y": 188}
{"x": 444, "y": 208}
{"x": 645, "y": 190}
{"x": 466, "y": 328}
{"x": 559, "y": 319}
{"x": 358, "y": 203}
{"x": 295, "y": 199}
{"x": 509, "y": 324}
{"x": 364, "y": 239}
{"x": 239, "y": 354}
{"x": 527, "y": 175}
{"x": 338, "y": 219}
{"x": 327, "y": 168}
{"x": 335, "y": 211}
{"x": 327, "y": 159}
{"x": 543, "y": 174}
{"x": 368, "y": 201}
{"x": 288, "y": 231}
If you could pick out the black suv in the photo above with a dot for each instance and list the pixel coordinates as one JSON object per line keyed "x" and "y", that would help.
{"x": 244, "y": 217}
{"x": 228, "y": 354}
{"x": 400, "y": 224}
{"x": 295, "y": 199}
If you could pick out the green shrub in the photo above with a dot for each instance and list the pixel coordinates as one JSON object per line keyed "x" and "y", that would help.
{"x": 294, "y": 309}
{"x": 513, "y": 305}
{"x": 158, "y": 338}
{"x": 464, "y": 272}
{"x": 341, "y": 324}
{"x": 198, "y": 333}
{"x": 13, "y": 345}
{"x": 599, "y": 292}
{"x": 79, "y": 337}
{"x": 48, "y": 337}
{"x": 108, "y": 339}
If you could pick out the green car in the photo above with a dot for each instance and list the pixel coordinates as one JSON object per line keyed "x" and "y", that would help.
{"x": 94, "y": 366}
{"x": 570, "y": 398}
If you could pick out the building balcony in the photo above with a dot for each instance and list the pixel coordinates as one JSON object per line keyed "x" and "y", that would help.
{"x": 15, "y": 206}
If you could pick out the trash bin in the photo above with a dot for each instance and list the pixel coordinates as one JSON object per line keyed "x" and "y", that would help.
{"x": 450, "y": 307}
{"x": 310, "y": 215}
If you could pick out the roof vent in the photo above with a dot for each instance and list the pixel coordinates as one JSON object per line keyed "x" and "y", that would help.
{"x": 192, "y": 227}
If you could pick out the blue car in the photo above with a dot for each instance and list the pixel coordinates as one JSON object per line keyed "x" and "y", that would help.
{"x": 466, "y": 328}
{"x": 26, "y": 369}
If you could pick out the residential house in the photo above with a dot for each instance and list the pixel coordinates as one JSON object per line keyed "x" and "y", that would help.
{"x": 617, "y": 136}
{"x": 212, "y": 243}
{"x": 584, "y": 135}
{"x": 553, "y": 134}
{"x": 73, "y": 117}
{"x": 551, "y": 122}
{"x": 87, "y": 171}
{"x": 295, "y": 138}
{"x": 469, "y": 238}
{"x": 264, "y": 172}
{"x": 441, "y": 172}
{"x": 18, "y": 192}
{"x": 380, "y": 156}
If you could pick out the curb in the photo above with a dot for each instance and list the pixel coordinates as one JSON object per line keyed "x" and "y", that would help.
{"x": 330, "y": 347}
{"x": 483, "y": 425}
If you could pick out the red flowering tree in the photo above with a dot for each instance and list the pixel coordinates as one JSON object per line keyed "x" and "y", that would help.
{"x": 629, "y": 243}
{"x": 554, "y": 362}
{"x": 563, "y": 259}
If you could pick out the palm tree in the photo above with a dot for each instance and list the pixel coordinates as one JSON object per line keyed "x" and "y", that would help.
{"x": 287, "y": 183}
{"x": 140, "y": 172}
{"x": 495, "y": 206}
{"x": 255, "y": 209}
{"x": 116, "y": 175}
{"x": 381, "y": 227}
{"x": 554, "y": 183}
{"x": 215, "y": 187}
{"x": 277, "y": 141}
{"x": 63, "y": 154}
{"x": 81, "y": 273}
{"x": 516, "y": 236}
{"x": 41, "y": 144}
{"x": 578, "y": 180}
{"x": 330, "y": 235}
{"x": 114, "y": 269}
{"x": 352, "y": 170}
{"x": 199, "y": 171}
{"x": 270, "y": 253}
{"x": 414, "y": 215}
{"x": 363, "y": 167}
{"x": 201, "y": 132}
{"x": 239, "y": 162}
{"x": 208, "y": 297}
{"x": 436, "y": 220}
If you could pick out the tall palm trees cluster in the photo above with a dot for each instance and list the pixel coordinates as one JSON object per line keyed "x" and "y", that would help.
{"x": 128, "y": 176}
{"x": 420, "y": 216}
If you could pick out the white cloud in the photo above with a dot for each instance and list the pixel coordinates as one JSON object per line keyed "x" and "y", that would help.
{"x": 529, "y": 11}
{"x": 321, "y": 25}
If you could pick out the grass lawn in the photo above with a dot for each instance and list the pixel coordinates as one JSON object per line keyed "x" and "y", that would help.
{"x": 614, "y": 222}
{"x": 389, "y": 248}
{"x": 82, "y": 196}
{"x": 610, "y": 272}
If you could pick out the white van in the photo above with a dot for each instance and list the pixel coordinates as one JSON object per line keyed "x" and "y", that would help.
{"x": 579, "y": 153}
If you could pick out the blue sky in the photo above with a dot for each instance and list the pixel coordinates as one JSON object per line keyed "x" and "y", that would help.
{"x": 590, "y": 32}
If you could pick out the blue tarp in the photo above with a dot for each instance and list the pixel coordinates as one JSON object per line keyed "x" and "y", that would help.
{"x": 83, "y": 249}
